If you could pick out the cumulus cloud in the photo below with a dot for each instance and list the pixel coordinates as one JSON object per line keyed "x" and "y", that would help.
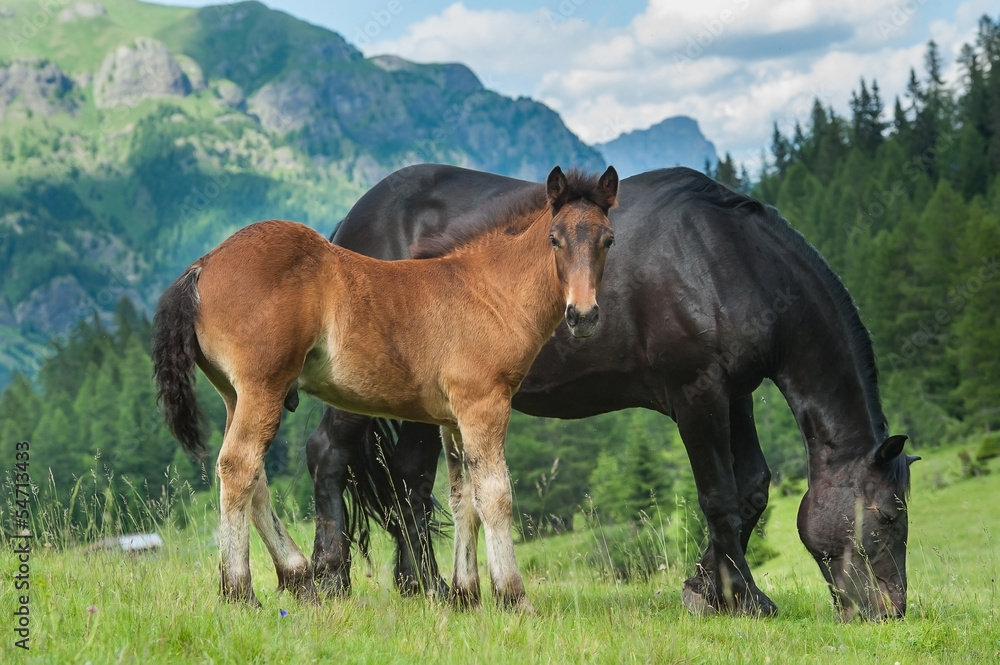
{"x": 737, "y": 66}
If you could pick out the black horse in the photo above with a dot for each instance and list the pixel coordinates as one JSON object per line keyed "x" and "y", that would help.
{"x": 707, "y": 293}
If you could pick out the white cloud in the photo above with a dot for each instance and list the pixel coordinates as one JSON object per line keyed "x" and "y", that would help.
{"x": 737, "y": 66}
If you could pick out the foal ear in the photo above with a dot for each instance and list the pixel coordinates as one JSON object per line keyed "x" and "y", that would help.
{"x": 557, "y": 189}
{"x": 890, "y": 449}
{"x": 608, "y": 184}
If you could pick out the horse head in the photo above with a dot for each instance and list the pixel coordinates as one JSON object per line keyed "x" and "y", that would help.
{"x": 581, "y": 236}
{"x": 854, "y": 523}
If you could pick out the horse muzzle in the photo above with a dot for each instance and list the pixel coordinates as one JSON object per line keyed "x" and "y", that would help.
{"x": 872, "y": 600}
{"x": 582, "y": 324}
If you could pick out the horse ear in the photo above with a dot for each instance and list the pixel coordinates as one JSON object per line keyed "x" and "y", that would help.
{"x": 609, "y": 186}
{"x": 890, "y": 449}
{"x": 556, "y": 188}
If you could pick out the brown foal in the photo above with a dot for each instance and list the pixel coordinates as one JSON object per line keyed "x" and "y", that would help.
{"x": 276, "y": 308}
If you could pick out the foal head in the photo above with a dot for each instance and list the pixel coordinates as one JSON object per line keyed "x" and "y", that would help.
{"x": 581, "y": 236}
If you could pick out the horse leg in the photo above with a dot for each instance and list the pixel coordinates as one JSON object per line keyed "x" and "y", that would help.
{"x": 413, "y": 466}
{"x": 239, "y": 468}
{"x": 483, "y": 431}
{"x": 707, "y": 440}
{"x": 465, "y": 577}
{"x": 328, "y": 453}
{"x": 753, "y": 478}
{"x": 292, "y": 567}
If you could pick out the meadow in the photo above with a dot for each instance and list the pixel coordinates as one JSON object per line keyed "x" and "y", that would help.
{"x": 101, "y": 607}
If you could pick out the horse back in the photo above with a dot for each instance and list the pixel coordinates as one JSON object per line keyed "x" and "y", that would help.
{"x": 734, "y": 285}
{"x": 417, "y": 202}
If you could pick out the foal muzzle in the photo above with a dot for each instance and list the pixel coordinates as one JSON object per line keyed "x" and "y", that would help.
{"x": 582, "y": 324}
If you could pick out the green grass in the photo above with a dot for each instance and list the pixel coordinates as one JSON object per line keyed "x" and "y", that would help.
{"x": 102, "y": 608}
{"x": 83, "y": 44}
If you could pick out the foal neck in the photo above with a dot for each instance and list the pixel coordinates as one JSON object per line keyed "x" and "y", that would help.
{"x": 515, "y": 265}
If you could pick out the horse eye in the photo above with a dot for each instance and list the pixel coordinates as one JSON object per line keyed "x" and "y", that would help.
{"x": 608, "y": 242}
{"x": 554, "y": 241}
{"x": 884, "y": 517}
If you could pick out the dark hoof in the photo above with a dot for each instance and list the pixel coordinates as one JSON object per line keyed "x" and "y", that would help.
{"x": 464, "y": 599}
{"x": 241, "y": 594}
{"x": 760, "y": 605}
{"x": 699, "y": 598}
{"x": 519, "y": 606}
{"x": 334, "y": 585}
{"x": 300, "y": 584}
{"x": 696, "y": 603}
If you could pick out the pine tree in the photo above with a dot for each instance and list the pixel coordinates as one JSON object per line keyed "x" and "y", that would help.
{"x": 977, "y": 327}
{"x": 49, "y": 453}
{"x": 866, "y": 119}
{"x": 20, "y": 409}
{"x": 143, "y": 449}
{"x": 781, "y": 149}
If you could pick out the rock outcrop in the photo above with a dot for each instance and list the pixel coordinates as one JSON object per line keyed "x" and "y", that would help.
{"x": 81, "y": 11}
{"x": 229, "y": 95}
{"x": 55, "y": 307}
{"x": 142, "y": 70}
{"x": 36, "y": 86}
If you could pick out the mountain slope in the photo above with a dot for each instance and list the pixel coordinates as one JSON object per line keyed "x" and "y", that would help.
{"x": 135, "y": 137}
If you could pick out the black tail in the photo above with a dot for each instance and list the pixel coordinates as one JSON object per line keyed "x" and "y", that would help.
{"x": 175, "y": 351}
{"x": 377, "y": 489}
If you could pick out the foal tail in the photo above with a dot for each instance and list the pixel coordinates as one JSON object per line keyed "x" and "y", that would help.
{"x": 175, "y": 351}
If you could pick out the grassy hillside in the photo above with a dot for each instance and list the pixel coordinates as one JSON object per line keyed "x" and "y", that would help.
{"x": 163, "y": 607}
{"x": 134, "y": 137}
{"x": 80, "y": 45}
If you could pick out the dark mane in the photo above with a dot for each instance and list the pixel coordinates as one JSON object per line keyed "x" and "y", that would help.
{"x": 687, "y": 184}
{"x": 694, "y": 184}
{"x": 858, "y": 336}
{"x": 510, "y": 215}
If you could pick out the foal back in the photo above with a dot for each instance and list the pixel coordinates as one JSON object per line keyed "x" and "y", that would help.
{"x": 256, "y": 326}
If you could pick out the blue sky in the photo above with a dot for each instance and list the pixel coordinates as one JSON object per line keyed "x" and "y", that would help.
{"x": 736, "y": 66}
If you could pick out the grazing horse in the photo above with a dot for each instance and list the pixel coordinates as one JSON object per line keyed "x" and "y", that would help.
{"x": 709, "y": 292}
{"x": 276, "y": 308}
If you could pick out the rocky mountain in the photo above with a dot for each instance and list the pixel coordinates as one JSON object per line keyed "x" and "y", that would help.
{"x": 135, "y": 136}
{"x": 676, "y": 141}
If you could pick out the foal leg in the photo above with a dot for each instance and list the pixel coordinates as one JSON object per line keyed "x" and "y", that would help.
{"x": 329, "y": 452}
{"x": 412, "y": 468}
{"x": 753, "y": 479}
{"x": 292, "y": 567}
{"x": 484, "y": 429}
{"x": 465, "y": 577}
{"x": 239, "y": 468}
{"x": 707, "y": 440}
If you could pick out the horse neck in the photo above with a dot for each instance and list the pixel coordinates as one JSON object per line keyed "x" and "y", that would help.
{"x": 829, "y": 389}
{"x": 519, "y": 273}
